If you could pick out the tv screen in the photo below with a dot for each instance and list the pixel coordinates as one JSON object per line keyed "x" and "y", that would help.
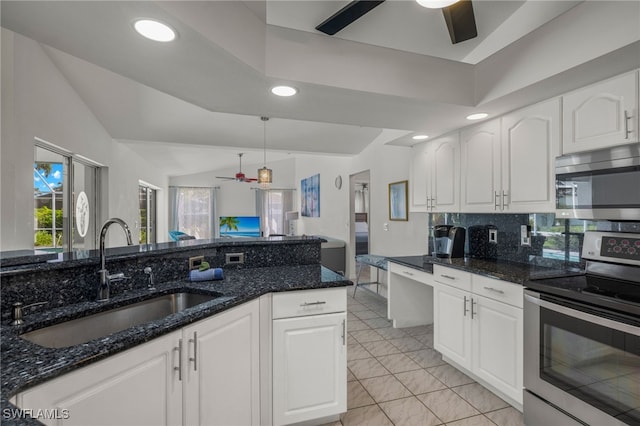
{"x": 239, "y": 226}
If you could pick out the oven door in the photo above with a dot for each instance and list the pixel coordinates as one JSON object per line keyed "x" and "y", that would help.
{"x": 583, "y": 361}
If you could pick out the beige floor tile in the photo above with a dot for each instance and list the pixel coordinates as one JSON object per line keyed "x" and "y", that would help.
{"x": 426, "y": 357}
{"x": 480, "y": 397}
{"x": 450, "y": 376}
{"x": 391, "y": 333}
{"x": 338, "y": 423}
{"x": 350, "y": 376}
{"x": 407, "y": 344}
{"x": 506, "y": 417}
{"x": 357, "y": 351}
{"x": 409, "y": 412}
{"x": 377, "y": 322}
{"x": 448, "y": 405}
{"x": 365, "y": 368}
{"x": 385, "y": 388}
{"x": 380, "y": 348}
{"x": 357, "y": 396}
{"x": 366, "y": 336}
{"x": 357, "y": 325}
{"x": 371, "y": 415}
{"x": 368, "y": 314}
{"x": 425, "y": 339}
{"x": 475, "y": 421}
{"x": 351, "y": 316}
{"x": 353, "y": 306}
{"x": 397, "y": 363}
{"x": 418, "y": 330}
{"x": 420, "y": 381}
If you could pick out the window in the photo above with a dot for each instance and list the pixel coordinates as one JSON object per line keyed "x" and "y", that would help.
{"x": 193, "y": 211}
{"x": 271, "y": 206}
{"x": 65, "y": 194}
{"x": 147, "y": 201}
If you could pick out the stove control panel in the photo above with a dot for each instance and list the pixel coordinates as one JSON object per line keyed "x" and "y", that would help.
{"x": 613, "y": 247}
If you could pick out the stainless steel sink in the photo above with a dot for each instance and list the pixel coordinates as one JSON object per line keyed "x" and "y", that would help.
{"x": 82, "y": 330}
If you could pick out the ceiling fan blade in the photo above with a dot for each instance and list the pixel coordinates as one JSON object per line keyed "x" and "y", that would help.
{"x": 347, "y": 15}
{"x": 225, "y": 177}
{"x": 461, "y": 21}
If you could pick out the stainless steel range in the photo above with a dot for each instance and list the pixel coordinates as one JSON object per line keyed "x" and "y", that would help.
{"x": 582, "y": 339}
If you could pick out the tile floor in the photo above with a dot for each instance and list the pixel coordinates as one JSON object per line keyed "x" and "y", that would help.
{"x": 395, "y": 376}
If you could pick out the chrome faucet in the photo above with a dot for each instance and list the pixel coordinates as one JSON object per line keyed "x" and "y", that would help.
{"x": 105, "y": 278}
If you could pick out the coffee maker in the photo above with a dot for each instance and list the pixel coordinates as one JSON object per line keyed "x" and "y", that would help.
{"x": 448, "y": 241}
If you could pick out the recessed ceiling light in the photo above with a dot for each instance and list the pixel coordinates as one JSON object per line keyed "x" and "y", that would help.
{"x": 478, "y": 116}
{"x": 436, "y": 4}
{"x": 154, "y": 30}
{"x": 284, "y": 90}
{"x": 419, "y": 137}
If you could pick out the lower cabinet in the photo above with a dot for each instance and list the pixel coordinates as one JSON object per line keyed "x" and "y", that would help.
{"x": 204, "y": 374}
{"x": 478, "y": 325}
{"x": 137, "y": 387}
{"x": 309, "y": 355}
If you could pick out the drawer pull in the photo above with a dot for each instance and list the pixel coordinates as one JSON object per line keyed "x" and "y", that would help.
{"x": 344, "y": 332}
{"x": 448, "y": 276}
{"x": 494, "y": 290}
{"x": 407, "y": 273}
{"x": 472, "y": 312}
{"x": 195, "y": 351}
{"x": 464, "y": 309}
{"x": 313, "y": 303}
{"x": 627, "y": 117}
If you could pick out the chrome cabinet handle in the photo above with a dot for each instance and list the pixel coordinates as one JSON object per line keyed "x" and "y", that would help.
{"x": 195, "y": 351}
{"x": 504, "y": 195}
{"x": 179, "y": 367}
{"x": 344, "y": 332}
{"x": 496, "y": 202}
{"x": 627, "y": 117}
{"x": 407, "y": 273}
{"x": 428, "y": 199}
{"x": 472, "y": 312}
{"x": 313, "y": 303}
{"x": 447, "y": 276}
{"x": 433, "y": 203}
{"x": 464, "y": 309}
{"x": 494, "y": 290}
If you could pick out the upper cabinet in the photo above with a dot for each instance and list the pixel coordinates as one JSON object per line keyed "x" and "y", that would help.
{"x": 530, "y": 143}
{"x": 418, "y": 181}
{"x": 481, "y": 187}
{"x": 601, "y": 115}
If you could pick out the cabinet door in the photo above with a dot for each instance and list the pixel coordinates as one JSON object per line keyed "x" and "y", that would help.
{"x": 497, "y": 345}
{"x": 452, "y": 324}
{"x": 601, "y": 115}
{"x": 481, "y": 186}
{"x": 530, "y": 143}
{"x": 418, "y": 181}
{"x": 136, "y": 387}
{"x": 309, "y": 367}
{"x": 221, "y": 359}
{"x": 444, "y": 154}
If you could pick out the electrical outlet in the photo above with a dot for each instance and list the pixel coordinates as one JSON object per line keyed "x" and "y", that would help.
{"x": 525, "y": 235}
{"x": 234, "y": 258}
{"x": 493, "y": 236}
{"x": 195, "y": 262}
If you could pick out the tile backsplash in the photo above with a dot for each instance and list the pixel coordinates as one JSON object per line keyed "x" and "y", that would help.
{"x": 552, "y": 239}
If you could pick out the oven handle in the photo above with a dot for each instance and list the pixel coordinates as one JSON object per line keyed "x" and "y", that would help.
{"x": 605, "y": 322}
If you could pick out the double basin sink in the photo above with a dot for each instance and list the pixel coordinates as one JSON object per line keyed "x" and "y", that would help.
{"x": 82, "y": 330}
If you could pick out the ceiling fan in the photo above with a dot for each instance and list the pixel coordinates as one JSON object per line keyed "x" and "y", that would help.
{"x": 459, "y": 18}
{"x": 239, "y": 177}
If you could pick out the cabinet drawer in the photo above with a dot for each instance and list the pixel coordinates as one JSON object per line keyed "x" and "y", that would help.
{"x": 309, "y": 302}
{"x": 502, "y": 291}
{"x": 453, "y": 277}
{"x": 411, "y": 273}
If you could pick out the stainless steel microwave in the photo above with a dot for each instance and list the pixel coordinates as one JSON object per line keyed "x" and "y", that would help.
{"x": 602, "y": 184}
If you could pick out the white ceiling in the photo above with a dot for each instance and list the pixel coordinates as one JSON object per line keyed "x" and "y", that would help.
{"x": 205, "y": 92}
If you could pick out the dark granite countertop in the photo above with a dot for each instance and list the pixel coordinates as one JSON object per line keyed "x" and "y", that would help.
{"x": 25, "y": 364}
{"x": 513, "y": 272}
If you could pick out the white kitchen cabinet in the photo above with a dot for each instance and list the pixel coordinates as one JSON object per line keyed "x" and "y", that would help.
{"x": 480, "y": 190}
{"x": 410, "y": 296}
{"x": 419, "y": 169}
{"x": 137, "y": 387}
{"x": 478, "y": 327}
{"x": 309, "y": 355}
{"x": 601, "y": 115}
{"x": 530, "y": 143}
{"x": 221, "y": 368}
{"x": 443, "y": 184}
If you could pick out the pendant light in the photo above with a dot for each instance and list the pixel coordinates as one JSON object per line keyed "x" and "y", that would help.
{"x": 265, "y": 175}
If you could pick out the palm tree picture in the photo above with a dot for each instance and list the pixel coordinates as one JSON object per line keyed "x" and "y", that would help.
{"x": 231, "y": 222}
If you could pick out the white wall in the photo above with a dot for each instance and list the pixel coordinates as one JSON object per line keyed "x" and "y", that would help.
{"x": 37, "y": 101}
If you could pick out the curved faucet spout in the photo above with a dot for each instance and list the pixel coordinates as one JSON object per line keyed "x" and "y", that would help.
{"x": 105, "y": 278}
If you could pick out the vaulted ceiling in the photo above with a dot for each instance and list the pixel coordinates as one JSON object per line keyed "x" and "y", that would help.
{"x": 395, "y": 68}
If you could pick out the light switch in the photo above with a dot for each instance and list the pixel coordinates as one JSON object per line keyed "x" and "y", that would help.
{"x": 385, "y": 226}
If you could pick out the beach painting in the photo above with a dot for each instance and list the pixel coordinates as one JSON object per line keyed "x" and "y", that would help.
{"x": 310, "y": 191}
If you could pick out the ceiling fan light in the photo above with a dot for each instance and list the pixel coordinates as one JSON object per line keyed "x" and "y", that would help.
{"x": 436, "y": 4}
{"x": 154, "y": 30}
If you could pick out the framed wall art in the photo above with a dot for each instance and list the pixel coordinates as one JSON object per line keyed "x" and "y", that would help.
{"x": 398, "y": 200}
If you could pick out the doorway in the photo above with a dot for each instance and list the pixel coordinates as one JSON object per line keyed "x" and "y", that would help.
{"x": 359, "y": 186}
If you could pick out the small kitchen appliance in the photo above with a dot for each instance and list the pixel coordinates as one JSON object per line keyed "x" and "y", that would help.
{"x": 448, "y": 241}
{"x": 582, "y": 338}
{"x": 483, "y": 241}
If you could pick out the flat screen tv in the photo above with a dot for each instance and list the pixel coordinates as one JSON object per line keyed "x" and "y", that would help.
{"x": 239, "y": 226}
